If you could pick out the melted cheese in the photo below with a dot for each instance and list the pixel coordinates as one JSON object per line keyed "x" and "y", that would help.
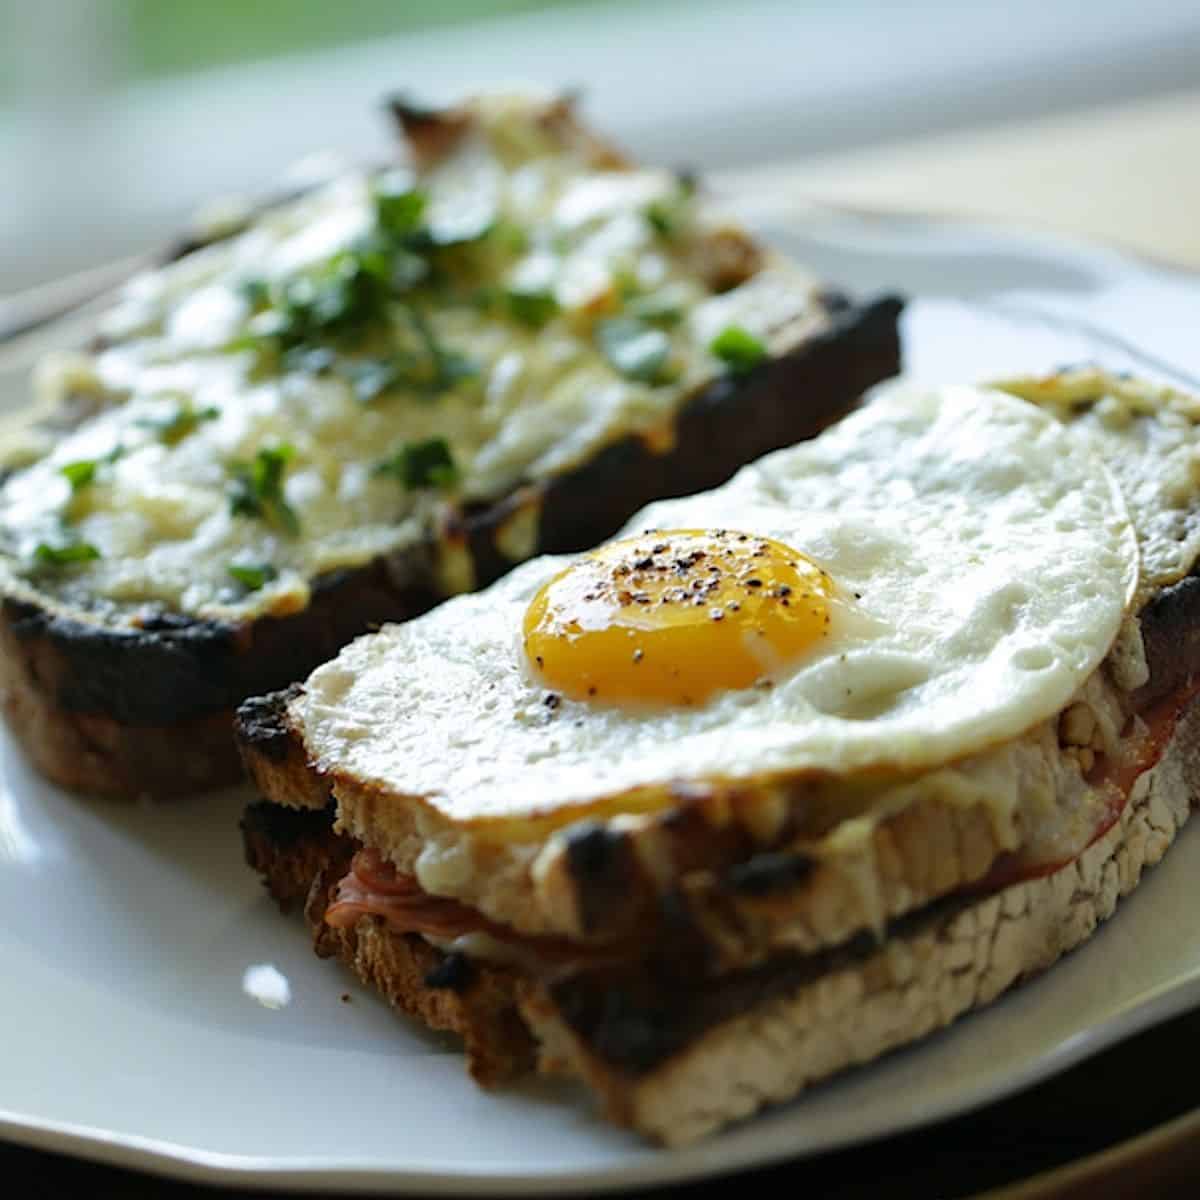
{"x": 541, "y": 399}
{"x": 1147, "y": 436}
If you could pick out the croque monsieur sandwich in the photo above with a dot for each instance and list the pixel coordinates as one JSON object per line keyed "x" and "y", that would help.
{"x": 369, "y": 398}
{"x": 789, "y": 774}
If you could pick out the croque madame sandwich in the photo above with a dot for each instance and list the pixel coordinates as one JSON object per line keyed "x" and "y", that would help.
{"x": 384, "y": 392}
{"x": 789, "y": 774}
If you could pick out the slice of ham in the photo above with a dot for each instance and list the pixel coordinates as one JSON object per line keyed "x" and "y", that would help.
{"x": 1112, "y": 779}
{"x": 373, "y": 887}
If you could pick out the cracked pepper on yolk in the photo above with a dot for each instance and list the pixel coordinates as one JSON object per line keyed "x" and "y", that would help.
{"x": 674, "y": 616}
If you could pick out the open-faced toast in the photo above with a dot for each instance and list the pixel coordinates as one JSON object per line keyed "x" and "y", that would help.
{"x": 372, "y": 397}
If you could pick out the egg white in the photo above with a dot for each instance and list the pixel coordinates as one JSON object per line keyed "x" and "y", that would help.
{"x": 983, "y": 559}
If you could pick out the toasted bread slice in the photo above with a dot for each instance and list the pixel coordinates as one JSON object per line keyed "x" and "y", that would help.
{"x": 300, "y": 860}
{"x": 675, "y": 1062}
{"x": 714, "y": 941}
{"x": 776, "y": 860}
{"x": 676, "y": 1066}
{"x": 375, "y": 396}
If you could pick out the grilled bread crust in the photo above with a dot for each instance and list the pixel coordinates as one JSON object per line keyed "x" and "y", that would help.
{"x": 677, "y": 1067}
{"x": 299, "y": 858}
{"x": 147, "y": 711}
{"x": 677, "y": 1063}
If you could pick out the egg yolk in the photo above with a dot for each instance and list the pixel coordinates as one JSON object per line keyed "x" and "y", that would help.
{"x": 671, "y": 617}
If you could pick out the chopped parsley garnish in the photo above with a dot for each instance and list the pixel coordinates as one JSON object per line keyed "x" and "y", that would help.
{"x": 408, "y": 220}
{"x": 79, "y": 474}
{"x": 341, "y": 301}
{"x": 421, "y": 464}
{"x": 636, "y": 349}
{"x": 350, "y": 302}
{"x": 257, "y": 489}
{"x": 175, "y": 425}
{"x": 447, "y": 367}
{"x": 668, "y": 215}
{"x": 738, "y": 349}
{"x": 431, "y": 371}
{"x": 511, "y": 237}
{"x": 256, "y": 293}
{"x": 399, "y": 206}
{"x": 252, "y": 576}
{"x": 82, "y": 472}
{"x": 533, "y": 308}
{"x": 63, "y": 554}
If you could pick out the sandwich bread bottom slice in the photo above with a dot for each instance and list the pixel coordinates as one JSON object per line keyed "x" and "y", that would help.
{"x": 751, "y": 1039}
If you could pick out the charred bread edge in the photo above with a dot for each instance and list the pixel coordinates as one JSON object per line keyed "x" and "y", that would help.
{"x": 86, "y": 700}
{"x": 300, "y": 858}
{"x": 937, "y": 966}
{"x": 679, "y": 1065}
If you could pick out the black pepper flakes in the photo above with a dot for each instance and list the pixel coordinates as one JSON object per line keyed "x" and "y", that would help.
{"x": 754, "y": 583}
{"x": 552, "y": 700}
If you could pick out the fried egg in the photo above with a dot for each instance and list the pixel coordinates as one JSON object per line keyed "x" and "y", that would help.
{"x": 935, "y": 575}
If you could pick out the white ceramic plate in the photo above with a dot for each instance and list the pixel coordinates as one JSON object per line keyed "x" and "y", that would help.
{"x": 133, "y": 1034}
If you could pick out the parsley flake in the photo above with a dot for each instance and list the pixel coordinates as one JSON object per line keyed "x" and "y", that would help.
{"x": 738, "y": 349}
{"x": 669, "y": 215}
{"x": 79, "y": 474}
{"x": 255, "y": 292}
{"x": 252, "y": 576}
{"x": 256, "y": 489}
{"x": 173, "y": 426}
{"x": 82, "y": 472}
{"x": 63, "y": 554}
{"x": 447, "y": 367}
{"x": 533, "y": 308}
{"x": 421, "y": 464}
{"x": 399, "y": 206}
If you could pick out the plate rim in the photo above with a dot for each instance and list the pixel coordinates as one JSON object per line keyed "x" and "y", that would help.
{"x": 176, "y": 1160}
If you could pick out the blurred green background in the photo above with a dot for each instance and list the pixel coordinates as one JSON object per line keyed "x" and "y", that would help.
{"x": 166, "y": 37}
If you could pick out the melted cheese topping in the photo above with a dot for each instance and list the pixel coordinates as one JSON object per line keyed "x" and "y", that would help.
{"x": 1147, "y": 436}
{"x": 502, "y": 369}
